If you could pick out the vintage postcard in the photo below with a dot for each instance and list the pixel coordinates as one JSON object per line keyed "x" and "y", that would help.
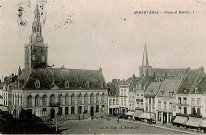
{"x": 102, "y": 67}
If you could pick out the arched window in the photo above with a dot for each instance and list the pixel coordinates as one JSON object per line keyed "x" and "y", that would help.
{"x": 44, "y": 101}
{"x": 52, "y": 99}
{"x": 72, "y": 110}
{"x": 37, "y": 101}
{"x": 66, "y": 84}
{"x": 67, "y": 99}
{"x": 29, "y": 101}
{"x": 37, "y": 84}
{"x": 18, "y": 100}
{"x": 60, "y": 99}
{"x": 102, "y": 98}
{"x": 85, "y": 99}
{"x": 80, "y": 99}
{"x": 101, "y": 85}
{"x": 72, "y": 99}
{"x": 91, "y": 99}
{"x": 97, "y": 98}
{"x": 87, "y": 84}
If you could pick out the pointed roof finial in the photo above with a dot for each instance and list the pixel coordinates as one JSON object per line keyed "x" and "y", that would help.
{"x": 145, "y": 61}
{"x": 36, "y": 11}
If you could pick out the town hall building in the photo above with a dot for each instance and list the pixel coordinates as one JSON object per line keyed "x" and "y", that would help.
{"x": 45, "y": 91}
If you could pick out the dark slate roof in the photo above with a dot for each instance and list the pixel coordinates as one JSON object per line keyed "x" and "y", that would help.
{"x": 162, "y": 71}
{"x": 49, "y": 77}
{"x": 153, "y": 89}
{"x": 190, "y": 81}
{"x": 169, "y": 85}
{"x": 134, "y": 82}
{"x": 113, "y": 89}
{"x": 201, "y": 87}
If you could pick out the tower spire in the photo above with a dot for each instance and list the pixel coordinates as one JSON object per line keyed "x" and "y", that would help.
{"x": 145, "y": 61}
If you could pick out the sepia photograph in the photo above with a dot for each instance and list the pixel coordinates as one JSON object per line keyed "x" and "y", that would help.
{"x": 102, "y": 67}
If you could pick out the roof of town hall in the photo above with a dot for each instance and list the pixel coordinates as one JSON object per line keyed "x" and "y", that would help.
{"x": 153, "y": 89}
{"x": 193, "y": 77}
{"x": 169, "y": 85}
{"x": 50, "y": 77}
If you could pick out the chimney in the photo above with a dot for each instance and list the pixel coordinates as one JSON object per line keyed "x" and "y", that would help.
{"x": 100, "y": 69}
{"x": 133, "y": 75}
{"x": 114, "y": 81}
{"x": 19, "y": 71}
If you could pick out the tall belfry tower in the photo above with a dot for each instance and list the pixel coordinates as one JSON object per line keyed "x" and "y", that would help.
{"x": 145, "y": 69}
{"x": 36, "y": 51}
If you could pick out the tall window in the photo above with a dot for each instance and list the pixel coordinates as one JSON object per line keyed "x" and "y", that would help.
{"x": 193, "y": 101}
{"x": 37, "y": 101}
{"x": 66, "y": 110}
{"x": 72, "y": 99}
{"x": 97, "y": 108}
{"x": 97, "y": 98}
{"x": 37, "y": 84}
{"x": 44, "y": 101}
{"x": 72, "y": 110}
{"x": 170, "y": 106}
{"x": 52, "y": 99}
{"x": 29, "y": 101}
{"x": 179, "y": 110}
{"x": 67, "y": 99}
{"x": 85, "y": 99}
{"x": 117, "y": 102}
{"x": 85, "y": 109}
{"x": 185, "y": 100}
{"x": 159, "y": 104}
{"x": 110, "y": 101}
{"x": 124, "y": 92}
{"x": 44, "y": 111}
{"x": 60, "y": 99}
{"x": 198, "y": 101}
{"x": 185, "y": 110}
{"x": 113, "y": 101}
{"x": 102, "y": 98}
{"x": 91, "y": 99}
{"x": 80, "y": 99}
{"x": 159, "y": 116}
{"x": 179, "y": 100}
{"x": 122, "y": 101}
{"x": 165, "y": 105}
{"x": 125, "y": 102}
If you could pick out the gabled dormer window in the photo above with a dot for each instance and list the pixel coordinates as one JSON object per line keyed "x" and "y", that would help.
{"x": 87, "y": 84}
{"x": 196, "y": 90}
{"x": 66, "y": 84}
{"x": 37, "y": 84}
{"x": 101, "y": 84}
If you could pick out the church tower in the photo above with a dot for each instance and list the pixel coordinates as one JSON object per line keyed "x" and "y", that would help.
{"x": 145, "y": 69}
{"x": 36, "y": 50}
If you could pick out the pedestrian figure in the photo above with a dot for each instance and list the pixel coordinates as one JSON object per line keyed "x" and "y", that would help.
{"x": 118, "y": 119}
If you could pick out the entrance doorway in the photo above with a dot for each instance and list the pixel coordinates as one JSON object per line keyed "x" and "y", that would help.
{"x": 92, "y": 112}
{"x": 52, "y": 113}
{"x": 164, "y": 118}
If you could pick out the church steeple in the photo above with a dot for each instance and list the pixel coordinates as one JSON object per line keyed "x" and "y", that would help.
{"x": 36, "y": 50}
{"x": 145, "y": 69}
{"x": 145, "y": 61}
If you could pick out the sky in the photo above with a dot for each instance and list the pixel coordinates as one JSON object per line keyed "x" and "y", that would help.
{"x": 88, "y": 34}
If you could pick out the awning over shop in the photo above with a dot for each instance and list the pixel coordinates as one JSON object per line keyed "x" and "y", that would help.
{"x": 180, "y": 120}
{"x": 137, "y": 113}
{"x": 195, "y": 122}
{"x": 203, "y": 124}
{"x": 129, "y": 113}
{"x": 147, "y": 116}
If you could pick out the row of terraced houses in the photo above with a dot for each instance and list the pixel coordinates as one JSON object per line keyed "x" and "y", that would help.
{"x": 161, "y": 96}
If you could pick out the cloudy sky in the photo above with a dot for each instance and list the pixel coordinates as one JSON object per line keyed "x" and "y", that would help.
{"x": 106, "y": 33}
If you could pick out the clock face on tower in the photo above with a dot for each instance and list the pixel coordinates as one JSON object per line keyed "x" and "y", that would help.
{"x": 38, "y": 39}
